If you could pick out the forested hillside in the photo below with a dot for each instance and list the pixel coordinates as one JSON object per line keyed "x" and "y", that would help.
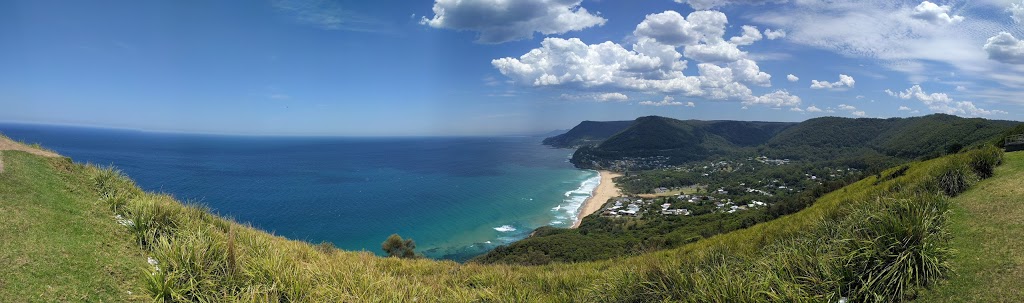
{"x": 657, "y": 142}
{"x": 587, "y": 133}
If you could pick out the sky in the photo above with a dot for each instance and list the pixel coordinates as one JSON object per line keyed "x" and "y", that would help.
{"x": 500, "y": 67}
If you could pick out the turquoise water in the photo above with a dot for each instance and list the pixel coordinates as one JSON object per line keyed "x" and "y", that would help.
{"x": 456, "y": 197}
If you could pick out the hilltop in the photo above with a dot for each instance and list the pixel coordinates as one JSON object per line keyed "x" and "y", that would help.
{"x": 100, "y": 230}
{"x": 655, "y": 142}
{"x": 587, "y": 133}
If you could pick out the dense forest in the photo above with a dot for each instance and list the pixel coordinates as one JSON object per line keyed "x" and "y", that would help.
{"x": 655, "y": 142}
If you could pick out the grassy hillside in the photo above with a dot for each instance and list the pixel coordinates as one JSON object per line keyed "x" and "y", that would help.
{"x": 880, "y": 239}
{"x": 56, "y": 242}
{"x": 986, "y": 229}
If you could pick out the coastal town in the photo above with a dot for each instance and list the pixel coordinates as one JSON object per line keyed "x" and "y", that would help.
{"x": 722, "y": 186}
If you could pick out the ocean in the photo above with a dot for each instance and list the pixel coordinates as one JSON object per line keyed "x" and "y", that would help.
{"x": 456, "y": 197}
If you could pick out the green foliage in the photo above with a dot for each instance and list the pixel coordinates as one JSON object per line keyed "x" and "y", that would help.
{"x": 879, "y": 142}
{"x": 395, "y": 246}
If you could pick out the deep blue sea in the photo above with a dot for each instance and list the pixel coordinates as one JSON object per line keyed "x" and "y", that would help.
{"x": 456, "y": 197}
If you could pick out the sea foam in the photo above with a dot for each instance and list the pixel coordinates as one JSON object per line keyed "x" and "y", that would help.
{"x": 505, "y": 228}
{"x": 569, "y": 209}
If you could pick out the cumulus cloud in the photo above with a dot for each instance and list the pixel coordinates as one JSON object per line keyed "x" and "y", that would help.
{"x": 796, "y": 109}
{"x": 904, "y": 108}
{"x": 844, "y": 82}
{"x": 847, "y": 107}
{"x": 1005, "y": 48}
{"x": 654, "y": 63}
{"x": 749, "y": 36}
{"x": 499, "y": 21}
{"x": 774, "y": 34}
{"x": 943, "y": 103}
{"x": 934, "y": 13}
{"x": 859, "y": 114}
{"x": 709, "y": 4}
{"x": 1016, "y": 11}
{"x": 813, "y": 109}
{"x": 673, "y": 29}
{"x": 792, "y": 78}
{"x": 775, "y": 99}
{"x": 668, "y": 101}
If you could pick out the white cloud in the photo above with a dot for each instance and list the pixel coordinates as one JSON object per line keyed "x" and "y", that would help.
{"x": 904, "y": 108}
{"x": 774, "y": 34}
{"x": 653, "y": 64}
{"x": 1005, "y": 48}
{"x": 943, "y": 103}
{"x": 598, "y": 97}
{"x": 813, "y": 109}
{"x": 961, "y": 88}
{"x": 717, "y": 52}
{"x": 776, "y": 99}
{"x": 750, "y": 35}
{"x": 668, "y": 101}
{"x": 690, "y": 104}
{"x": 853, "y": 110}
{"x": 708, "y": 4}
{"x": 1016, "y": 11}
{"x": 887, "y": 33}
{"x": 748, "y": 71}
{"x": 612, "y": 97}
{"x": 934, "y": 13}
{"x": 499, "y": 21}
{"x": 671, "y": 28}
{"x": 792, "y": 78}
{"x": 796, "y": 109}
{"x": 844, "y": 82}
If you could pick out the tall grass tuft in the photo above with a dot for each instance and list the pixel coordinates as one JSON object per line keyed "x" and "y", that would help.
{"x": 898, "y": 247}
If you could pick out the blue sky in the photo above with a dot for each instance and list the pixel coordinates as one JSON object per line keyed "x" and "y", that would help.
{"x": 498, "y": 67}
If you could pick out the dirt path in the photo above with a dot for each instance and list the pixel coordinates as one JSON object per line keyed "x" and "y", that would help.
{"x": 8, "y": 144}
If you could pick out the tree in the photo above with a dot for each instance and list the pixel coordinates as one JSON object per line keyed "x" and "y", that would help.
{"x": 395, "y": 246}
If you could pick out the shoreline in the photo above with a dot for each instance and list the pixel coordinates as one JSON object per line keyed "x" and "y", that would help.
{"x": 605, "y": 190}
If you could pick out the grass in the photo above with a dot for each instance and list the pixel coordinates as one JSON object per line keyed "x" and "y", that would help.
{"x": 986, "y": 226}
{"x": 56, "y": 242}
{"x": 876, "y": 240}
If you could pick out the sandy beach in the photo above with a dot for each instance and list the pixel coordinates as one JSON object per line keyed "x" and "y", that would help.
{"x": 604, "y": 191}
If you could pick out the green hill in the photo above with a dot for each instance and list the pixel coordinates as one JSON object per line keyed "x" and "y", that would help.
{"x": 880, "y": 239}
{"x": 587, "y": 133}
{"x": 653, "y": 142}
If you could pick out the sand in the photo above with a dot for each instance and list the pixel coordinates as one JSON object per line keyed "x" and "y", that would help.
{"x": 8, "y": 144}
{"x": 604, "y": 191}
